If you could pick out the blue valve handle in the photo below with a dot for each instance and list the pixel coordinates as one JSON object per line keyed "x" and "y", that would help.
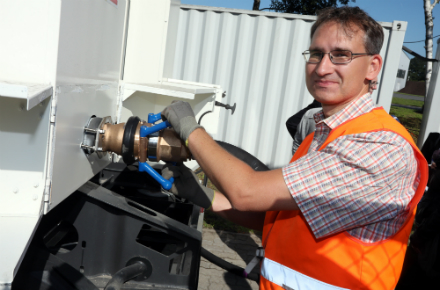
{"x": 153, "y": 118}
{"x": 145, "y": 131}
{"x": 167, "y": 184}
{"x": 143, "y": 166}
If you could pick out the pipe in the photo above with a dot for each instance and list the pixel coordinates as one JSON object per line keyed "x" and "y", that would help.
{"x": 124, "y": 275}
{"x": 228, "y": 266}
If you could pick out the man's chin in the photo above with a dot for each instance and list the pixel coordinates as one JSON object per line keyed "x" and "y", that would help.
{"x": 325, "y": 97}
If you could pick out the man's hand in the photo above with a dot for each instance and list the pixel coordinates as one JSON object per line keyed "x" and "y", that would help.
{"x": 181, "y": 117}
{"x": 187, "y": 185}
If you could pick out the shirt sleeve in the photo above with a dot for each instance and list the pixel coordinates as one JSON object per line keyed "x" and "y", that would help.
{"x": 356, "y": 180}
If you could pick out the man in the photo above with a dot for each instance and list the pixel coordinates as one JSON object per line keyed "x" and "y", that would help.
{"x": 302, "y": 123}
{"x": 339, "y": 215}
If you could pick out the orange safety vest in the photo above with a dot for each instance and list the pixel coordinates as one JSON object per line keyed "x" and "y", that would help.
{"x": 295, "y": 259}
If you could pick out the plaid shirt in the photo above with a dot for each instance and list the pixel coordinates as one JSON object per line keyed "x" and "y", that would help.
{"x": 360, "y": 183}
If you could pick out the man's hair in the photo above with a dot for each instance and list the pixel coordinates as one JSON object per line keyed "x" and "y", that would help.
{"x": 347, "y": 17}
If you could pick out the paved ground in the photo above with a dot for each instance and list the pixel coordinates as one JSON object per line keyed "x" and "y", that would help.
{"x": 238, "y": 249}
{"x": 409, "y": 97}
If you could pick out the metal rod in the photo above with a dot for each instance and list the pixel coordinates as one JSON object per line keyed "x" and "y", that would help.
{"x": 89, "y": 130}
{"x": 88, "y": 147}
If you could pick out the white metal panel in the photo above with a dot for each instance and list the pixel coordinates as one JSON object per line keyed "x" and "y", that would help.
{"x": 431, "y": 117}
{"x": 90, "y": 41}
{"x": 24, "y": 137}
{"x": 28, "y": 52}
{"x": 403, "y": 65}
{"x": 71, "y": 166}
{"x": 29, "y": 33}
{"x": 88, "y": 70}
{"x": 256, "y": 58}
{"x": 32, "y": 93}
{"x": 16, "y": 231}
{"x": 146, "y": 41}
{"x": 393, "y": 47}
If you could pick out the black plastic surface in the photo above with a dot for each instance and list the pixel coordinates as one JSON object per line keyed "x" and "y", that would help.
{"x": 97, "y": 232}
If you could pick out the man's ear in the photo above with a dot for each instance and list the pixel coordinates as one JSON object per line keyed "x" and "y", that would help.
{"x": 376, "y": 62}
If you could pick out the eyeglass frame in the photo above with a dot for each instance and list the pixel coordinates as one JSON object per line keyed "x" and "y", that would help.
{"x": 331, "y": 57}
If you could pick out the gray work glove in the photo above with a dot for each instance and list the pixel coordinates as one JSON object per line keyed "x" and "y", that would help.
{"x": 181, "y": 117}
{"x": 186, "y": 184}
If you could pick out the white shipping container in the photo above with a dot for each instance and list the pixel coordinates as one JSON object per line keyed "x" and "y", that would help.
{"x": 256, "y": 58}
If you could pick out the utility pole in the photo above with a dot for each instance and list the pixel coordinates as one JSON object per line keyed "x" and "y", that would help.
{"x": 256, "y": 5}
{"x": 429, "y": 24}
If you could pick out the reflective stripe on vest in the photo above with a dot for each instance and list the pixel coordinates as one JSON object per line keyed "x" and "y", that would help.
{"x": 288, "y": 278}
{"x": 340, "y": 259}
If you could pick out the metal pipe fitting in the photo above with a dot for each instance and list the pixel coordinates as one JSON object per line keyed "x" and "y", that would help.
{"x": 101, "y": 136}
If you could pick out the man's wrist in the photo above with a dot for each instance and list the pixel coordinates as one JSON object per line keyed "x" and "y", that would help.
{"x": 187, "y": 126}
{"x": 193, "y": 134}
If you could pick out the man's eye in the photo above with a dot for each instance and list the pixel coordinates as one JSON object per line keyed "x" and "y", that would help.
{"x": 315, "y": 54}
{"x": 341, "y": 54}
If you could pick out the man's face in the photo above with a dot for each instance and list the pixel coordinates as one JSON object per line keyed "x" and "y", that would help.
{"x": 336, "y": 85}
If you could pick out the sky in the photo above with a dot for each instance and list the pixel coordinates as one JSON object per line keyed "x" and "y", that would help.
{"x": 411, "y": 11}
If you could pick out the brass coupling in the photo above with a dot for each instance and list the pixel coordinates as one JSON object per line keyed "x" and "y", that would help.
{"x": 124, "y": 139}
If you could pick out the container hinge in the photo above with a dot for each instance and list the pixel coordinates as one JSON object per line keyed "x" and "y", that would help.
{"x": 46, "y": 195}
{"x": 53, "y": 107}
{"x": 47, "y": 190}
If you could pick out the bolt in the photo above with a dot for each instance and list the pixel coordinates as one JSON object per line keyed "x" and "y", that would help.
{"x": 99, "y": 149}
{"x": 101, "y": 131}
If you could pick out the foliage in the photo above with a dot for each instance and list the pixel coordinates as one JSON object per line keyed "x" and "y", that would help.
{"x": 305, "y": 7}
{"x": 407, "y": 102}
{"x": 417, "y": 69}
{"x": 411, "y": 119}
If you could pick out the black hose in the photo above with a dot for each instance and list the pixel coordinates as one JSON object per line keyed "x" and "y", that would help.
{"x": 244, "y": 156}
{"x": 257, "y": 165}
{"x": 234, "y": 269}
{"x": 124, "y": 275}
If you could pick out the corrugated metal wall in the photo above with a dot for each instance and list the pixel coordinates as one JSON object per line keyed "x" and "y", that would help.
{"x": 256, "y": 58}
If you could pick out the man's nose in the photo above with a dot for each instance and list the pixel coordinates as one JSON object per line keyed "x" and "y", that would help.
{"x": 325, "y": 66}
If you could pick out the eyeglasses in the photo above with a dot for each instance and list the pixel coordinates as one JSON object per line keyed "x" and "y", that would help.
{"x": 336, "y": 56}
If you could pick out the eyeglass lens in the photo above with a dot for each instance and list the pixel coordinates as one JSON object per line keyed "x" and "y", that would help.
{"x": 336, "y": 56}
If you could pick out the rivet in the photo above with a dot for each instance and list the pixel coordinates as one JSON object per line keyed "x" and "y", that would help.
{"x": 36, "y": 184}
{"x": 15, "y": 190}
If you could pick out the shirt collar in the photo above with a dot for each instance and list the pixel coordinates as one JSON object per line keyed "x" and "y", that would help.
{"x": 356, "y": 108}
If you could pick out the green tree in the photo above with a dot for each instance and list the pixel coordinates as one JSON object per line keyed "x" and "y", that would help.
{"x": 305, "y": 7}
{"x": 417, "y": 70}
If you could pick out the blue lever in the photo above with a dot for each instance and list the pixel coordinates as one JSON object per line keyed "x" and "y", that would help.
{"x": 145, "y": 131}
{"x": 153, "y": 118}
{"x": 167, "y": 184}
